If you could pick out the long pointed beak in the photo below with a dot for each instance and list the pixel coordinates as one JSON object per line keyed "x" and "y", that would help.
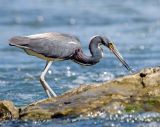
{"x": 115, "y": 51}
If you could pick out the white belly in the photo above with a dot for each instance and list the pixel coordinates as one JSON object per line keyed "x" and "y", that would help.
{"x": 30, "y": 52}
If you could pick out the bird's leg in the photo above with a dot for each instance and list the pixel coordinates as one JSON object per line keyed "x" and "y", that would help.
{"x": 45, "y": 85}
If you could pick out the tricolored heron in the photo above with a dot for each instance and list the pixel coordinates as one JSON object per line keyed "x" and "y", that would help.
{"x": 57, "y": 46}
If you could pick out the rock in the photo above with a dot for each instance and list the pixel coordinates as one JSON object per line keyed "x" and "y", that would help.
{"x": 8, "y": 110}
{"x": 133, "y": 93}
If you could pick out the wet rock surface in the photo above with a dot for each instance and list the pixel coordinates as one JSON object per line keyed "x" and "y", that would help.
{"x": 138, "y": 92}
{"x": 8, "y": 110}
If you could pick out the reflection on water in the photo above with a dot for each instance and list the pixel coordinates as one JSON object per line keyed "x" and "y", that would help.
{"x": 118, "y": 120}
{"x": 132, "y": 25}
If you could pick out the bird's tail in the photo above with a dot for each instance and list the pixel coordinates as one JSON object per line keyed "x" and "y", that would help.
{"x": 18, "y": 41}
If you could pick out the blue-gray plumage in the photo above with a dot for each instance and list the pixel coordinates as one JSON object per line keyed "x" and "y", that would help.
{"x": 58, "y": 46}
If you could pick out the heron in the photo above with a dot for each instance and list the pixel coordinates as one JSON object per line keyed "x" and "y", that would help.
{"x": 55, "y": 46}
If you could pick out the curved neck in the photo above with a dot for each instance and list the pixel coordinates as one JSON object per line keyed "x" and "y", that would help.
{"x": 95, "y": 50}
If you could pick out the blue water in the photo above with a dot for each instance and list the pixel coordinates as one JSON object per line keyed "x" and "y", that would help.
{"x": 134, "y": 26}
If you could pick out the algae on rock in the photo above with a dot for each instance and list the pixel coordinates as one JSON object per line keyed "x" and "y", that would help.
{"x": 139, "y": 92}
{"x": 133, "y": 93}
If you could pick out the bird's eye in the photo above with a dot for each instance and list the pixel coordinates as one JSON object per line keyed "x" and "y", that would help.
{"x": 111, "y": 45}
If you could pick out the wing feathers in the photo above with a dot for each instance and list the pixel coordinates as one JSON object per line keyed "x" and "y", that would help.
{"x": 48, "y": 44}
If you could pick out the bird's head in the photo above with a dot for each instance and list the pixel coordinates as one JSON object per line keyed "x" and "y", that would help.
{"x": 109, "y": 44}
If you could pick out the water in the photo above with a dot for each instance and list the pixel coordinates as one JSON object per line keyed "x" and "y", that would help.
{"x": 133, "y": 25}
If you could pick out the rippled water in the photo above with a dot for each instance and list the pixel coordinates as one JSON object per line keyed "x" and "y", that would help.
{"x": 133, "y": 25}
